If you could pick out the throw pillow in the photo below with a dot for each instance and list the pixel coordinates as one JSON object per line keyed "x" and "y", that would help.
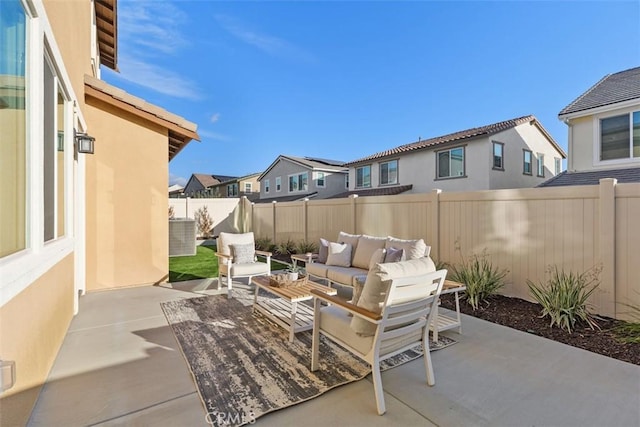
{"x": 367, "y": 245}
{"x": 339, "y": 254}
{"x": 243, "y": 253}
{"x": 377, "y": 285}
{"x": 413, "y": 249}
{"x": 351, "y": 239}
{"x": 225, "y": 240}
{"x": 394, "y": 255}
{"x": 376, "y": 258}
{"x": 323, "y": 251}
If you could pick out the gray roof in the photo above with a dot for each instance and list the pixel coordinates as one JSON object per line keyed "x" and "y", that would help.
{"x": 611, "y": 89}
{"x": 624, "y": 176}
{"x": 293, "y": 198}
{"x": 380, "y": 191}
{"x": 463, "y": 135}
{"x": 313, "y": 163}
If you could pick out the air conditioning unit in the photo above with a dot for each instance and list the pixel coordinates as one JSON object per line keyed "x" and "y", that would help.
{"x": 182, "y": 237}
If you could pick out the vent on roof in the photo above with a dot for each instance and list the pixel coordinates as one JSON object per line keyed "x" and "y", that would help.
{"x": 182, "y": 237}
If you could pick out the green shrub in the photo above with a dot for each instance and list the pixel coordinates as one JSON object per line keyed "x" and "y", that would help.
{"x": 304, "y": 246}
{"x": 564, "y": 296}
{"x": 265, "y": 244}
{"x": 480, "y": 277}
{"x": 285, "y": 248}
{"x": 629, "y": 332}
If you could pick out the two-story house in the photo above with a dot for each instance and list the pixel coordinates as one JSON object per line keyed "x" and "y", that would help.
{"x": 291, "y": 178}
{"x": 205, "y": 185}
{"x": 247, "y": 186}
{"x": 604, "y": 132}
{"x": 510, "y": 154}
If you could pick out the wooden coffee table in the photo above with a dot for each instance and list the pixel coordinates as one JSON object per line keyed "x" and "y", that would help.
{"x": 285, "y": 310}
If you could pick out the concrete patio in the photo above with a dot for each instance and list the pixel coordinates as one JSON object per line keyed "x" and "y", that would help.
{"x": 120, "y": 365}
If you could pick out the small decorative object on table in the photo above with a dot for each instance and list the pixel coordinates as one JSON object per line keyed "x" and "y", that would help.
{"x": 287, "y": 280}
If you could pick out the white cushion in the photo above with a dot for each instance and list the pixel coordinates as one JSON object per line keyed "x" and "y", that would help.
{"x": 251, "y": 269}
{"x": 345, "y": 275}
{"x": 227, "y": 239}
{"x": 352, "y": 239}
{"x": 413, "y": 249}
{"x": 323, "y": 251}
{"x": 377, "y": 285}
{"x": 366, "y": 247}
{"x": 339, "y": 254}
{"x": 316, "y": 269}
{"x": 377, "y": 257}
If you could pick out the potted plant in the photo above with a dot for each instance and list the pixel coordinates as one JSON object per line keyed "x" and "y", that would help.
{"x": 293, "y": 272}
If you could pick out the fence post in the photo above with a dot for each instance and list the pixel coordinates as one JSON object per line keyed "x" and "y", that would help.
{"x": 305, "y": 227}
{"x": 354, "y": 221}
{"x": 608, "y": 245}
{"x": 273, "y": 205}
{"x": 434, "y": 229}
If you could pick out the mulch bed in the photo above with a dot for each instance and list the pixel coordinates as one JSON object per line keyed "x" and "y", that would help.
{"x": 525, "y": 316}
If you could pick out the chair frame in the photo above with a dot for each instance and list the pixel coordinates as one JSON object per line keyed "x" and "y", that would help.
{"x": 227, "y": 260}
{"x": 420, "y": 311}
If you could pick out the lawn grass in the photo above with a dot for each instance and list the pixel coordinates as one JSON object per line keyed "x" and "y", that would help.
{"x": 202, "y": 265}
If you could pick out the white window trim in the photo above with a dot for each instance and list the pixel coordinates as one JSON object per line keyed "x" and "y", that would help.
{"x": 324, "y": 179}
{"x": 299, "y": 190}
{"x": 267, "y": 187}
{"x": 596, "y": 138}
{"x": 248, "y": 188}
{"x": 539, "y": 165}
{"x": 278, "y": 184}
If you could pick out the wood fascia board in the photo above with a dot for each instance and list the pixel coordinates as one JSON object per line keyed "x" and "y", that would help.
{"x": 94, "y": 93}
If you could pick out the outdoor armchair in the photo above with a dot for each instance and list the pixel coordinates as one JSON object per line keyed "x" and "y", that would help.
{"x": 376, "y": 331}
{"x": 238, "y": 257}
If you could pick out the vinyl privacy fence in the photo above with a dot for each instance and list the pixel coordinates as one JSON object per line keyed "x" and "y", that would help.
{"x": 522, "y": 230}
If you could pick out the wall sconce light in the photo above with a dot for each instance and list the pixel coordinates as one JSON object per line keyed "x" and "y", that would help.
{"x": 84, "y": 143}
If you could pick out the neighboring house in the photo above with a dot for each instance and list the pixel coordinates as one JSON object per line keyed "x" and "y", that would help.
{"x": 66, "y": 225}
{"x": 175, "y": 191}
{"x": 203, "y": 185}
{"x": 291, "y": 178}
{"x": 604, "y": 132}
{"x": 247, "y": 185}
{"x": 510, "y": 154}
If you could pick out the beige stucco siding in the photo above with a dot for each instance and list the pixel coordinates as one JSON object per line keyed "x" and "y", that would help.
{"x": 584, "y": 143}
{"x": 32, "y": 328}
{"x": 127, "y": 219}
{"x": 71, "y": 23}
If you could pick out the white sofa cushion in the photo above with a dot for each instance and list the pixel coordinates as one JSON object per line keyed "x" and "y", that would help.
{"x": 345, "y": 275}
{"x": 377, "y": 284}
{"x": 339, "y": 254}
{"x": 366, "y": 247}
{"x": 352, "y": 239}
{"x": 413, "y": 249}
{"x": 317, "y": 269}
{"x": 227, "y": 239}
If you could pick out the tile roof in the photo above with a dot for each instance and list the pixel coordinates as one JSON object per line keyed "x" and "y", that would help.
{"x": 624, "y": 176}
{"x": 611, "y": 89}
{"x": 459, "y": 136}
{"x": 382, "y": 191}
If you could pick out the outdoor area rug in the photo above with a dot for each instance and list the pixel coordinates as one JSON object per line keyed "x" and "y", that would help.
{"x": 245, "y": 367}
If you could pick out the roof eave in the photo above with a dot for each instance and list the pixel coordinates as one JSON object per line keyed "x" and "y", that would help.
{"x": 600, "y": 109}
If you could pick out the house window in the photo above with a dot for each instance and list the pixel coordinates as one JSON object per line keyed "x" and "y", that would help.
{"x": 346, "y": 181}
{"x": 266, "y": 185}
{"x": 278, "y": 184}
{"x": 451, "y": 163}
{"x": 363, "y": 176}
{"x": 320, "y": 179}
{"x": 389, "y": 172}
{"x": 232, "y": 190}
{"x": 247, "y": 187}
{"x": 13, "y": 51}
{"x": 526, "y": 162}
{"x": 498, "y": 156}
{"x": 298, "y": 182}
{"x": 558, "y": 165}
{"x": 540, "y": 165}
{"x": 620, "y": 137}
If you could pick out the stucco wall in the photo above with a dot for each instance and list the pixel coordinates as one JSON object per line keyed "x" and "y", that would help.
{"x": 127, "y": 215}
{"x": 32, "y": 327}
{"x": 334, "y": 182}
{"x": 584, "y": 148}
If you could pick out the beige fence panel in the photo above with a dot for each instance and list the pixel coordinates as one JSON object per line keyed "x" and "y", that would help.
{"x": 226, "y": 213}
{"x": 327, "y": 218}
{"x": 290, "y": 221}
{"x": 627, "y": 250}
{"x": 262, "y": 220}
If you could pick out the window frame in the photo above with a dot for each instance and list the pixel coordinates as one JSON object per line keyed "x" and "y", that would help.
{"x": 266, "y": 186}
{"x": 248, "y": 187}
{"x": 524, "y": 162}
{"x": 346, "y": 181}
{"x": 363, "y": 167}
{"x": 316, "y": 179}
{"x": 449, "y": 150}
{"x": 299, "y": 180}
{"x": 597, "y": 158}
{"x": 397, "y": 179}
{"x": 493, "y": 156}
{"x": 557, "y": 163}
{"x": 278, "y": 184}
{"x": 540, "y": 165}
{"x": 232, "y": 190}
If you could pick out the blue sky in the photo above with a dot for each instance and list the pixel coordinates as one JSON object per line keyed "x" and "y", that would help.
{"x": 342, "y": 80}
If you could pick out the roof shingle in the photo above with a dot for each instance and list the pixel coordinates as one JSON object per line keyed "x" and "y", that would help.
{"x": 624, "y": 176}
{"x": 611, "y": 89}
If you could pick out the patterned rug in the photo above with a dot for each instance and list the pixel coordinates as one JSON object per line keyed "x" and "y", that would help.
{"x": 245, "y": 367}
